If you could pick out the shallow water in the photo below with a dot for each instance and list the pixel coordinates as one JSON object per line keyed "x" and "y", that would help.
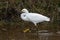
{"x": 16, "y": 34}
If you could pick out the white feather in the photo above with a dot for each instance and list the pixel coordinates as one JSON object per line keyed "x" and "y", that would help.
{"x": 33, "y": 17}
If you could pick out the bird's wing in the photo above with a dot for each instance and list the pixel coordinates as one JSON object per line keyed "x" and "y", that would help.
{"x": 34, "y": 17}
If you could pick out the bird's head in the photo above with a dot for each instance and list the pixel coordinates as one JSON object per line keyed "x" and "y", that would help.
{"x": 24, "y": 10}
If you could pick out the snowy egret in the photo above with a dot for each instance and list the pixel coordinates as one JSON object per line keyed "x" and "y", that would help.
{"x": 33, "y": 17}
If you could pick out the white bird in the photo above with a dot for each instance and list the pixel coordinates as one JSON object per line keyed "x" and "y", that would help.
{"x": 33, "y": 17}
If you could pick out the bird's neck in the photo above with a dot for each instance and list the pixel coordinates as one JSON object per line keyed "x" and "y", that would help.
{"x": 26, "y": 12}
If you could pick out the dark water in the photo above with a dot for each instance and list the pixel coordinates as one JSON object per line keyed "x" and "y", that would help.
{"x": 16, "y": 34}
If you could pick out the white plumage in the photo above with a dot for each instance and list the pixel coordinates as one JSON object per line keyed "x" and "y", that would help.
{"x": 33, "y": 17}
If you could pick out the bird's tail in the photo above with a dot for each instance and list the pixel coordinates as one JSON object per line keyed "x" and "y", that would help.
{"x": 48, "y": 19}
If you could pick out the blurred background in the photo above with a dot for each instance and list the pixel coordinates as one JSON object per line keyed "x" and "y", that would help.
{"x": 12, "y": 27}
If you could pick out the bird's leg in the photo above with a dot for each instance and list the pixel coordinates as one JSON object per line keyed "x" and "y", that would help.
{"x": 37, "y": 30}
